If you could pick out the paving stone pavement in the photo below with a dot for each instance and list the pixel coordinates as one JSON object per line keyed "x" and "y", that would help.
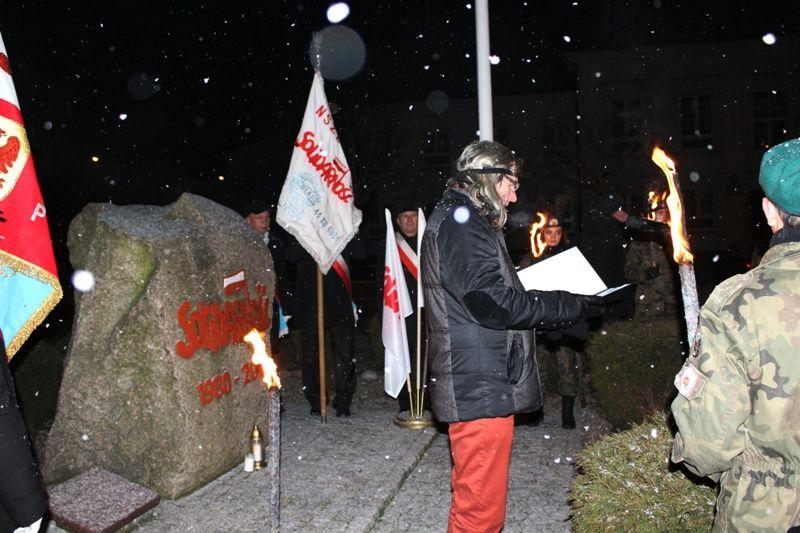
{"x": 541, "y": 471}
{"x": 363, "y": 474}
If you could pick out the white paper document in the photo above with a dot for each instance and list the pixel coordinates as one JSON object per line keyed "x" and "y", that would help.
{"x": 567, "y": 271}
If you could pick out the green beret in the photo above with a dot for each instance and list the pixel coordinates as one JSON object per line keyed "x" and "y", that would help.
{"x": 780, "y": 175}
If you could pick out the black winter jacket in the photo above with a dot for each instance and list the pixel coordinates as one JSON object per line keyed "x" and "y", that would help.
{"x": 479, "y": 317}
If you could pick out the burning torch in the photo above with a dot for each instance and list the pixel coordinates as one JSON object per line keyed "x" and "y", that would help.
{"x": 537, "y": 241}
{"x": 270, "y": 377}
{"x": 680, "y": 246}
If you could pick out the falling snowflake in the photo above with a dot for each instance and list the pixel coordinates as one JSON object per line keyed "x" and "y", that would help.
{"x": 83, "y": 280}
{"x": 494, "y": 60}
{"x": 769, "y": 38}
{"x": 338, "y": 12}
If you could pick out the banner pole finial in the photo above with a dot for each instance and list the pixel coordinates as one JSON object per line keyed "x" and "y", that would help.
{"x": 316, "y": 45}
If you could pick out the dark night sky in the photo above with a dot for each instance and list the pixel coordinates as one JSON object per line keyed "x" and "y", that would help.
{"x": 227, "y": 74}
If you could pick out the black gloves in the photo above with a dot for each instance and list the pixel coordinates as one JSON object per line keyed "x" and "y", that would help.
{"x": 652, "y": 272}
{"x": 594, "y": 305}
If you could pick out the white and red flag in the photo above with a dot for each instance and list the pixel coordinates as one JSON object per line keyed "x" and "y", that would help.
{"x": 316, "y": 203}
{"x": 396, "y": 307}
{"x": 29, "y": 287}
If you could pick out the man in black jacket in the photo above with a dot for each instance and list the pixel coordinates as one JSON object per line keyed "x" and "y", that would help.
{"x": 257, "y": 215}
{"x": 479, "y": 320}
{"x": 339, "y": 323}
{"x": 407, "y": 220}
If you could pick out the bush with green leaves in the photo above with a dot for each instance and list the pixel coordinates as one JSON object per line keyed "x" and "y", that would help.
{"x": 627, "y": 483}
{"x": 632, "y": 365}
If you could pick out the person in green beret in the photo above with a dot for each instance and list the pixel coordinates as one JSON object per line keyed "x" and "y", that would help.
{"x": 738, "y": 407}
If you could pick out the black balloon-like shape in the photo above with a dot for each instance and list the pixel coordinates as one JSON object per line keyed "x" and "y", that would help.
{"x": 341, "y": 52}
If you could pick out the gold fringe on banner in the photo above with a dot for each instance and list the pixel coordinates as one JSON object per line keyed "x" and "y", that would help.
{"x": 29, "y": 269}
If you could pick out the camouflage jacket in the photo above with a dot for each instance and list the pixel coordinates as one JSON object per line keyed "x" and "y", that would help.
{"x": 738, "y": 411}
{"x": 655, "y": 297}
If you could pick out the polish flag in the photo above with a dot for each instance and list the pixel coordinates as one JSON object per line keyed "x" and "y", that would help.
{"x": 396, "y": 307}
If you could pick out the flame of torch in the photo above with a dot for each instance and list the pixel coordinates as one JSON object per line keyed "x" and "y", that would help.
{"x": 677, "y": 221}
{"x": 680, "y": 246}
{"x": 260, "y": 357}
{"x": 538, "y": 245}
{"x": 654, "y": 200}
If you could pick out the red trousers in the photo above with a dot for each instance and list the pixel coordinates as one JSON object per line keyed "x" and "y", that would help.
{"x": 481, "y": 454}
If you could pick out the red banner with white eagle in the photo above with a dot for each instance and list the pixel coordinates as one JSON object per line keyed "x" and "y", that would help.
{"x": 316, "y": 202}
{"x": 29, "y": 287}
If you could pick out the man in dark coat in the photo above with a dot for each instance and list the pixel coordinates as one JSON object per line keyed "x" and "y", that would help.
{"x": 340, "y": 320}
{"x": 23, "y": 500}
{"x": 479, "y": 320}
{"x": 257, "y": 215}
{"x": 407, "y": 220}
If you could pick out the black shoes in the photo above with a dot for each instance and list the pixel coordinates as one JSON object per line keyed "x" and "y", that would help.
{"x": 340, "y": 410}
{"x": 535, "y": 418}
{"x": 567, "y": 415}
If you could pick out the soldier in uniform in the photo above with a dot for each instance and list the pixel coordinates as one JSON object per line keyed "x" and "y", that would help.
{"x": 564, "y": 345}
{"x": 648, "y": 265}
{"x": 738, "y": 411}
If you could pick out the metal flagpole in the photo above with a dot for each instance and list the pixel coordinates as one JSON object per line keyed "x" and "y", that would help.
{"x": 485, "y": 121}
{"x": 419, "y": 351}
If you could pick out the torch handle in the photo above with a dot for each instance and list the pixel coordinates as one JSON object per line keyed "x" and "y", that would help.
{"x": 691, "y": 305}
{"x": 275, "y": 459}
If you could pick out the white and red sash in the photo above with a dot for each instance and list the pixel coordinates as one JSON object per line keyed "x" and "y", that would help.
{"x": 343, "y": 270}
{"x": 407, "y": 255}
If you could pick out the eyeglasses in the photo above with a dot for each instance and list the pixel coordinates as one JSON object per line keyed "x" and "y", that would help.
{"x": 513, "y": 181}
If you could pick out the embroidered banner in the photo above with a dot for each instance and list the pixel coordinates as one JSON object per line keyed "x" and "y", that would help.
{"x": 29, "y": 287}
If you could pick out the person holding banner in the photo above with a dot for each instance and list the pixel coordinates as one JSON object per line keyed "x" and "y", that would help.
{"x": 317, "y": 207}
{"x": 479, "y": 321}
{"x": 340, "y": 322}
{"x": 407, "y": 221}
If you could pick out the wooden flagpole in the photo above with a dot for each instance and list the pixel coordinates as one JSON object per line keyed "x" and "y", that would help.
{"x": 323, "y": 404}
